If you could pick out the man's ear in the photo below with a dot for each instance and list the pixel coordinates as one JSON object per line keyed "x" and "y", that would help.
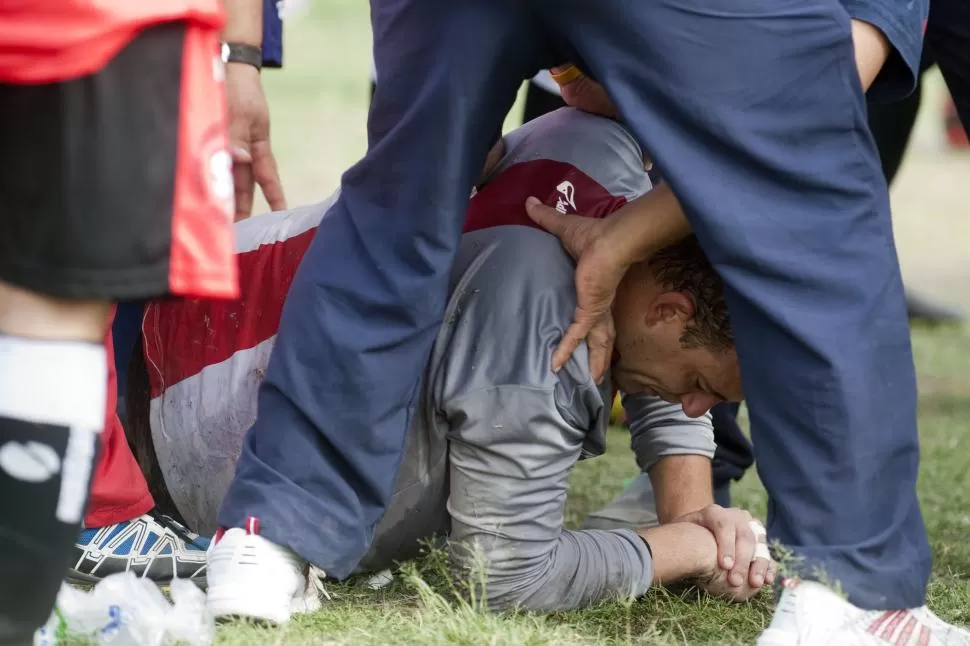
{"x": 669, "y": 307}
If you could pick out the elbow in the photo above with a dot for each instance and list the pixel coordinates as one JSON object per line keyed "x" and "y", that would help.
{"x": 509, "y": 578}
{"x": 650, "y": 450}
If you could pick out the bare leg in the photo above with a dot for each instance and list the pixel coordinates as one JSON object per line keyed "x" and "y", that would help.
{"x": 52, "y": 402}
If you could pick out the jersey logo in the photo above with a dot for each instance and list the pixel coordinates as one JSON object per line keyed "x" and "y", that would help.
{"x": 567, "y": 197}
{"x": 29, "y": 462}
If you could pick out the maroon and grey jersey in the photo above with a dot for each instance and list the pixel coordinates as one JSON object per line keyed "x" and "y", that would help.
{"x": 495, "y": 432}
{"x": 573, "y": 161}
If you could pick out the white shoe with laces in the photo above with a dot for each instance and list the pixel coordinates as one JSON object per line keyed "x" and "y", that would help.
{"x": 251, "y": 577}
{"x": 810, "y": 614}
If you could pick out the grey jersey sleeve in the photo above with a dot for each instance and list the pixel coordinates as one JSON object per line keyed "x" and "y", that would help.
{"x": 659, "y": 429}
{"x": 511, "y": 451}
{"x": 515, "y": 428}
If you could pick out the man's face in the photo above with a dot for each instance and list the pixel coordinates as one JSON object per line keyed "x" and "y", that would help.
{"x": 652, "y": 359}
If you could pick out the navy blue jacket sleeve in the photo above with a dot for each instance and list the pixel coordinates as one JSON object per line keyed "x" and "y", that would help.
{"x": 272, "y": 33}
{"x": 902, "y": 22}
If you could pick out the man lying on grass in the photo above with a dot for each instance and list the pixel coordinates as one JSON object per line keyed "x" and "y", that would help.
{"x": 495, "y": 432}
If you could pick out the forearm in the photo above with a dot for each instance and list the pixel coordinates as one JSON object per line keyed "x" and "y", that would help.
{"x": 675, "y": 450}
{"x": 574, "y": 570}
{"x": 656, "y": 220}
{"x": 647, "y": 224}
{"x": 244, "y": 22}
{"x": 681, "y": 484}
{"x": 680, "y": 551}
{"x": 872, "y": 48}
{"x": 589, "y": 566}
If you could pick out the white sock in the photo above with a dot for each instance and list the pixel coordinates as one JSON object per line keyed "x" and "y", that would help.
{"x": 59, "y": 383}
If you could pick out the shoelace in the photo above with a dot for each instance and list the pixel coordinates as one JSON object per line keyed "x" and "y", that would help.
{"x": 175, "y": 527}
{"x": 316, "y": 578}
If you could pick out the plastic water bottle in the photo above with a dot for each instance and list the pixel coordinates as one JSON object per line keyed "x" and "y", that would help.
{"x": 125, "y": 610}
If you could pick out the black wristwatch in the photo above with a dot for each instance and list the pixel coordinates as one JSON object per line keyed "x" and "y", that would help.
{"x": 242, "y": 53}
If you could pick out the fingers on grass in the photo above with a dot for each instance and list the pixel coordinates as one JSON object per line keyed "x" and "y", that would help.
{"x": 744, "y": 549}
{"x": 758, "y": 574}
{"x": 725, "y": 533}
{"x": 772, "y": 572}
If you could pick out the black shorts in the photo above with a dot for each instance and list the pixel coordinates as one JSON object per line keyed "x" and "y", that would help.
{"x": 89, "y": 177}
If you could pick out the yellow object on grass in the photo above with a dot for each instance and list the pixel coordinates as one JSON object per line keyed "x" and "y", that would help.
{"x": 616, "y": 415}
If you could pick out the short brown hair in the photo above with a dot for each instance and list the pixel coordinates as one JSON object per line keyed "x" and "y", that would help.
{"x": 683, "y": 267}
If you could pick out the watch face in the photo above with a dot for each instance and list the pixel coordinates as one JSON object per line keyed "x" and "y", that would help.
{"x": 225, "y": 52}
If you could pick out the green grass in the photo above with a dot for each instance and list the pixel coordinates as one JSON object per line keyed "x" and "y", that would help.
{"x": 318, "y": 113}
{"x": 420, "y": 607}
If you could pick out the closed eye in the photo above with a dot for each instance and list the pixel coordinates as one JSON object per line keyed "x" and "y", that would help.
{"x": 708, "y": 390}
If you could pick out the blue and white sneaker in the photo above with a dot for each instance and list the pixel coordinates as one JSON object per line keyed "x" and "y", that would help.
{"x": 153, "y": 546}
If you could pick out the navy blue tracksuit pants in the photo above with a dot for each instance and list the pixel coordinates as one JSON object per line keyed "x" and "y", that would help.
{"x": 948, "y": 44}
{"x": 755, "y": 113}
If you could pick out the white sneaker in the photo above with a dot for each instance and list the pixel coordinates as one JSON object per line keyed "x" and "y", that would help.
{"x": 254, "y": 578}
{"x": 810, "y": 614}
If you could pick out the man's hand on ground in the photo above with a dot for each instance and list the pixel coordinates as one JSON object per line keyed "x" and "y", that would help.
{"x": 742, "y": 551}
{"x": 716, "y": 584}
{"x": 252, "y": 156}
{"x": 597, "y": 275}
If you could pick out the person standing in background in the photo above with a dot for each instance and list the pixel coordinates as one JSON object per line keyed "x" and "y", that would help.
{"x": 379, "y": 310}
{"x": 891, "y": 124}
{"x": 734, "y": 454}
{"x": 795, "y": 230}
{"x": 122, "y": 529}
{"x": 116, "y": 184}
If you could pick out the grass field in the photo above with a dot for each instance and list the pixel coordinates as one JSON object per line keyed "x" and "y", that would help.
{"x": 412, "y": 612}
{"x": 318, "y": 107}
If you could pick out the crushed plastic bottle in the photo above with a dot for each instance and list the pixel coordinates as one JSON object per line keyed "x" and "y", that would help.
{"x": 125, "y": 610}
{"x": 380, "y": 580}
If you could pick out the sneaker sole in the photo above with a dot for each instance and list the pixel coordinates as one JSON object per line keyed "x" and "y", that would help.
{"x": 228, "y": 607}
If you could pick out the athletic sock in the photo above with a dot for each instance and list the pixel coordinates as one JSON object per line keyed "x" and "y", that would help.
{"x": 52, "y": 407}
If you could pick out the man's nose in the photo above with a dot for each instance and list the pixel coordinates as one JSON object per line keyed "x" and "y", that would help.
{"x": 696, "y": 404}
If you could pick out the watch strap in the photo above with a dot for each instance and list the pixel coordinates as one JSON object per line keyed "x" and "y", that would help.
{"x": 242, "y": 53}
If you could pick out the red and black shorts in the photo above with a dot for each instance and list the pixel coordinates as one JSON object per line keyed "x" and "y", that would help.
{"x": 118, "y": 185}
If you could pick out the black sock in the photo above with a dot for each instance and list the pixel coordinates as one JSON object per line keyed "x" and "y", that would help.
{"x": 52, "y": 406}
